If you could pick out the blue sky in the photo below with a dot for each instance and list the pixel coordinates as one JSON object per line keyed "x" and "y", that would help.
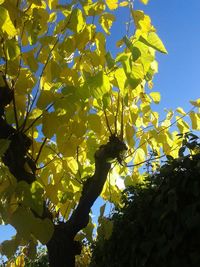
{"x": 178, "y": 80}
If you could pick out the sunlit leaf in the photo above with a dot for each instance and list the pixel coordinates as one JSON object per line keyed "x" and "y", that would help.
{"x": 112, "y": 4}
{"x": 6, "y": 24}
{"x": 139, "y": 156}
{"x": 196, "y": 103}
{"x": 144, "y": 1}
{"x": 154, "y": 41}
{"x": 76, "y": 21}
{"x": 156, "y": 97}
{"x": 195, "y": 119}
{"x": 106, "y": 20}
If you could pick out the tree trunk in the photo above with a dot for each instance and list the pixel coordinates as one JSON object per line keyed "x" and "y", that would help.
{"x": 62, "y": 248}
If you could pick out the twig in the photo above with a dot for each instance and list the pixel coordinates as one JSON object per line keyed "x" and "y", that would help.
{"x": 107, "y": 122}
{"x": 40, "y": 150}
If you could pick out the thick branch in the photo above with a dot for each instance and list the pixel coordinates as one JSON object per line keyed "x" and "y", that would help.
{"x": 94, "y": 185}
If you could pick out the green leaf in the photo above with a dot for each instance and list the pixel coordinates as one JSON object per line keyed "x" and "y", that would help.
{"x": 4, "y": 145}
{"x": 37, "y": 200}
{"x": 9, "y": 247}
{"x": 43, "y": 230}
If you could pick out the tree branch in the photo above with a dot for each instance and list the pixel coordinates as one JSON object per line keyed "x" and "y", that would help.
{"x": 94, "y": 185}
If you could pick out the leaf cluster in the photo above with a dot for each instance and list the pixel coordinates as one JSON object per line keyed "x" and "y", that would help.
{"x": 159, "y": 223}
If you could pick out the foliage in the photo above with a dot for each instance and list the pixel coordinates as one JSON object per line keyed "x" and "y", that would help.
{"x": 62, "y": 96}
{"x": 159, "y": 223}
{"x": 41, "y": 259}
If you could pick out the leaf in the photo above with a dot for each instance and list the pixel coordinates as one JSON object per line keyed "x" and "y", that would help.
{"x": 195, "y": 119}
{"x": 182, "y": 125}
{"x": 112, "y": 4}
{"x": 72, "y": 164}
{"x": 95, "y": 123}
{"x": 6, "y": 24}
{"x": 23, "y": 220}
{"x": 106, "y": 20}
{"x": 98, "y": 84}
{"x": 144, "y": 1}
{"x": 37, "y": 191}
{"x": 50, "y": 123}
{"x": 12, "y": 49}
{"x": 20, "y": 261}
{"x": 4, "y": 145}
{"x": 196, "y": 103}
{"x": 124, "y": 3}
{"x": 121, "y": 78}
{"x": 139, "y": 156}
{"x": 76, "y": 21}
{"x": 181, "y": 111}
{"x": 154, "y": 41}
{"x": 156, "y": 97}
{"x": 9, "y": 247}
{"x": 43, "y": 230}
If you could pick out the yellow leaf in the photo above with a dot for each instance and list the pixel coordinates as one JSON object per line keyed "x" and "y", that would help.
{"x": 123, "y": 4}
{"x": 20, "y": 261}
{"x": 129, "y": 134}
{"x": 106, "y": 20}
{"x": 142, "y": 21}
{"x": 76, "y": 20}
{"x": 156, "y": 97}
{"x": 2, "y": 1}
{"x": 195, "y": 119}
{"x": 156, "y": 42}
{"x": 182, "y": 125}
{"x": 196, "y": 103}
{"x": 50, "y": 124}
{"x": 144, "y": 1}
{"x": 12, "y": 49}
{"x": 139, "y": 156}
{"x": 181, "y": 111}
{"x": 95, "y": 123}
{"x": 120, "y": 76}
{"x": 72, "y": 164}
{"x": 98, "y": 84}
{"x": 112, "y": 4}
{"x": 6, "y": 24}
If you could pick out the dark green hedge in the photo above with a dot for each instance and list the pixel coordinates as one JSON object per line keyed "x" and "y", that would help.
{"x": 160, "y": 224}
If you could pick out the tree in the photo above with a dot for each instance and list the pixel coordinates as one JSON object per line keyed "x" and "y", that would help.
{"x": 69, "y": 110}
{"x": 159, "y": 222}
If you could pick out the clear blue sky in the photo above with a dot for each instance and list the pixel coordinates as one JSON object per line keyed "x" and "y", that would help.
{"x": 178, "y": 25}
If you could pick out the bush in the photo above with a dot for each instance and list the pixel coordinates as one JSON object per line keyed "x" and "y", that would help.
{"x": 159, "y": 224}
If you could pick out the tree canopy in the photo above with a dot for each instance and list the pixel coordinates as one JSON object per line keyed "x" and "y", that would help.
{"x": 74, "y": 119}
